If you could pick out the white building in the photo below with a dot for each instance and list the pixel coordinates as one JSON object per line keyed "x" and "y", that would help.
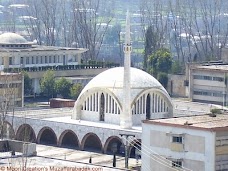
{"x": 208, "y": 83}
{"x": 16, "y": 53}
{"x": 186, "y": 143}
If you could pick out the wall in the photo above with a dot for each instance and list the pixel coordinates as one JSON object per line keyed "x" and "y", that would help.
{"x": 221, "y": 150}
{"x": 59, "y": 125}
{"x": 176, "y": 85}
{"x": 197, "y": 150}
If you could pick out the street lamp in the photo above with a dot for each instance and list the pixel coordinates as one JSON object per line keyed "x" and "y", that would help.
{"x": 127, "y": 146}
{"x": 114, "y": 150}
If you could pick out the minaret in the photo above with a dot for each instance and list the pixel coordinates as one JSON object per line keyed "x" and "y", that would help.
{"x": 126, "y": 116}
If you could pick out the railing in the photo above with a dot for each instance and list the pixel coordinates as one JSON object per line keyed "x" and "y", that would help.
{"x": 62, "y": 67}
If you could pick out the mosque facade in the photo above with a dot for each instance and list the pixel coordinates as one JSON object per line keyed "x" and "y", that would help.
{"x": 123, "y": 95}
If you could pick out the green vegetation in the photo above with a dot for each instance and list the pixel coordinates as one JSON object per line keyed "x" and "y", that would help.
{"x": 75, "y": 90}
{"x": 216, "y": 111}
{"x": 51, "y": 87}
{"x": 27, "y": 84}
{"x": 62, "y": 87}
{"x": 47, "y": 84}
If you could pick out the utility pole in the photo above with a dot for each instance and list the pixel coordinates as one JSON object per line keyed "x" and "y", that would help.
{"x": 126, "y": 145}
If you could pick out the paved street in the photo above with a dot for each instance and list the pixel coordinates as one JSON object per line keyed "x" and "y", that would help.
{"x": 62, "y": 157}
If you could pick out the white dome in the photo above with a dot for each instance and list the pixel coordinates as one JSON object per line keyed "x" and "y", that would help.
{"x": 102, "y": 99}
{"x": 113, "y": 78}
{"x": 12, "y": 38}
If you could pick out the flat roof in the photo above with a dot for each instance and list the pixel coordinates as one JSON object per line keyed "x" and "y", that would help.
{"x": 223, "y": 67}
{"x": 37, "y": 48}
{"x": 218, "y": 122}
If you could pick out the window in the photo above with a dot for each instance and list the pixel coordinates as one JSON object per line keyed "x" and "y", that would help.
{"x": 10, "y": 61}
{"x": 177, "y": 139}
{"x": 46, "y": 60}
{"x": 33, "y": 61}
{"x": 207, "y": 77}
{"x": 49, "y": 59}
{"x": 27, "y": 60}
{"x": 177, "y": 163}
{"x": 218, "y": 79}
{"x": 37, "y": 59}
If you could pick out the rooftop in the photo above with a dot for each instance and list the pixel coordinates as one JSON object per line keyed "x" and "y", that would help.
{"x": 220, "y": 67}
{"x": 38, "y": 48}
{"x": 212, "y": 122}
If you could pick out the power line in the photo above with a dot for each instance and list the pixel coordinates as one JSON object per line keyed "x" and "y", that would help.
{"x": 162, "y": 159}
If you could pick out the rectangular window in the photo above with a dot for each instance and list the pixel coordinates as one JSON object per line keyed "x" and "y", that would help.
{"x": 10, "y": 60}
{"x": 54, "y": 59}
{"x": 46, "y": 60}
{"x": 33, "y": 61}
{"x": 220, "y": 79}
{"x": 22, "y": 60}
{"x": 50, "y": 59}
{"x": 177, "y": 139}
{"x": 27, "y": 60}
{"x": 41, "y": 59}
{"x": 207, "y": 77}
{"x": 177, "y": 163}
{"x": 37, "y": 59}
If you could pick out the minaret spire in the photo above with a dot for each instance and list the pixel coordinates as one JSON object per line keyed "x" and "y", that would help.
{"x": 126, "y": 116}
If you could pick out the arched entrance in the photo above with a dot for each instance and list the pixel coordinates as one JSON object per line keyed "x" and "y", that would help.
{"x": 135, "y": 148}
{"x": 26, "y": 133}
{"x": 91, "y": 142}
{"x": 102, "y": 106}
{"x": 47, "y": 136}
{"x": 68, "y": 139}
{"x": 148, "y": 107}
{"x": 112, "y": 145}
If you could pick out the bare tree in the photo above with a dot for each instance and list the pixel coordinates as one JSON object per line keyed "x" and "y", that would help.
{"x": 90, "y": 25}
{"x": 8, "y": 99}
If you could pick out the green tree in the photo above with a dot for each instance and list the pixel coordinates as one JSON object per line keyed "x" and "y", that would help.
{"x": 151, "y": 45}
{"x": 62, "y": 87}
{"x": 75, "y": 90}
{"x": 176, "y": 67}
{"x": 163, "y": 78}
{"x": 160, "y": 61}
{"x": 47, "y": 84}
{"x": 27, "y": 84}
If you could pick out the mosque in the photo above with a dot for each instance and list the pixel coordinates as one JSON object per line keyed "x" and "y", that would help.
{"x": 112, "y": 103}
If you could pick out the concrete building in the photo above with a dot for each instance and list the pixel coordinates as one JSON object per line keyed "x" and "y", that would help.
{"x": 188, "y": 143}
{"x": 17, "y": 53}
{"x": 11, "y": 90}
{"x": 208, "y": 83}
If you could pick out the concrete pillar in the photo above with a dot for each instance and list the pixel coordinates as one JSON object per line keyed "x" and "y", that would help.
{"x": 6, "y": 61}
{"x": 22, "y": 90}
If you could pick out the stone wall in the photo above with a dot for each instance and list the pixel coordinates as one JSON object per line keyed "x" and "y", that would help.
{"x": 26, "y": 148}
{"x": 177, "y": 85}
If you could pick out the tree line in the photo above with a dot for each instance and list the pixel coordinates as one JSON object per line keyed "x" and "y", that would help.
{"x": 51, "y": 87}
